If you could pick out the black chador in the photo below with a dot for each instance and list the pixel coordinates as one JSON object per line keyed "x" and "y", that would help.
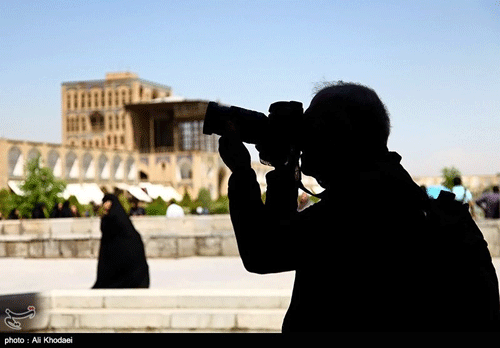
{"x": 122, "y": 259}
{"x": 65, "y": 210}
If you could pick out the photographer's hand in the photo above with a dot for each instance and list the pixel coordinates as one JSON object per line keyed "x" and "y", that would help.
{"x": 233, "y": 152}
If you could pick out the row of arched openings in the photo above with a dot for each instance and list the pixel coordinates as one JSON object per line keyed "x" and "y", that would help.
{"x": 86, "y": 166}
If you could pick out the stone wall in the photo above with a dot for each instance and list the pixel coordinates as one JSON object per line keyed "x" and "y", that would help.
{"x": 76, "y": 238}
{"x": 209, "y": 235}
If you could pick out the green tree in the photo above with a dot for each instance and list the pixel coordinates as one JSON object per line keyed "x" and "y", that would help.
{"x": 203, "y": 198}
{"x": 186, "y": 199}
{"x": 448, "y": 175}
{"x": 124, "y": 202}
{"x": 40, "y": 186}
{"x": 219, "y": 206}
{"x": 157, "y": 207}
{"x": 8, "y": 201}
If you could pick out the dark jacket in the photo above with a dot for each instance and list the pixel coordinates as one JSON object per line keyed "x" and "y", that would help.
{"x": 490, "y": 202}
{"x": 359, "y": 255}
{"x": 122, "y": 259}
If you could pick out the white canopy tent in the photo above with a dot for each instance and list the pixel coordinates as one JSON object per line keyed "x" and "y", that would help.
{"x": 14, "y": 186}
{"x": 165, "y": 192}
{"x": 84, "y": 193}
{"x": 135, "y": 191}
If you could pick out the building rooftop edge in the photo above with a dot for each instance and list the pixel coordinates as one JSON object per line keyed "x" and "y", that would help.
{"x": 107, "y": 81}
{"x": 39, "y": 143}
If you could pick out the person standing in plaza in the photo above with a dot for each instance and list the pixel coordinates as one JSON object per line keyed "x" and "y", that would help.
{"x": 122, "y": 259}
{"x": 14, "y": 214}
{"x": 462, "y": 194}
{"x": 174, "y": 210}
{"x": 38, "y": 211}
{"x": 56, "y": 210}
{"x": 136, "y": 210}
{"x": 66, "y": 210}
{"x": 490, "y": 203}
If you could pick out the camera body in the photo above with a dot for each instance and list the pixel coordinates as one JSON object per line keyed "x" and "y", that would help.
{"x": 276, "y": 137}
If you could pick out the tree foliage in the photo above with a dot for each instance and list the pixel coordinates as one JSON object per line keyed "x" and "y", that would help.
{"x": 40, "y": 186}
{"x": 448, "y": 175}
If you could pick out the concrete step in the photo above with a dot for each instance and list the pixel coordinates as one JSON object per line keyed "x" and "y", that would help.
{"x": 148, "y": 310}
{"x": 165, "y": 320}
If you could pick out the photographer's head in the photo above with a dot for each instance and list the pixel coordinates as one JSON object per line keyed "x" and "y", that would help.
{"x": 346, "y": 125}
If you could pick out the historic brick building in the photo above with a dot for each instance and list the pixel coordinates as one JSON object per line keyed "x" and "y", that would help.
{"x": 128, "y": 133}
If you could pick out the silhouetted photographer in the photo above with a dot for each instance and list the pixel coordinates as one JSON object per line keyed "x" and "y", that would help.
{"x": 375, "y": 253}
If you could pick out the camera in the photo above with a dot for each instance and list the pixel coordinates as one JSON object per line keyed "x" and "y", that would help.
{"x": 276, "y": 136}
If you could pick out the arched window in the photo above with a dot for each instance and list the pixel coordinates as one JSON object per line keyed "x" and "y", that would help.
{"x": 32, "y": 154}
{"x": 72, "y": 171}
{"x": 54, "y": 162}
{"x": 15, "y": 162}
{"x": 130, "y": 169}
{"x": 185, "y": 168}
{"x": 103, "y": 167}
{"x": 118, "y": 167}
{"x": 88, "y": 167}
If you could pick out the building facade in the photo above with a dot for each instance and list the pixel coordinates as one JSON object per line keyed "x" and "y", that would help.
{"x": 88, "y": 172}
{"x": 173, "y": 151}
{"x": 125, "y": 133}
{"x": 93, "y": 113}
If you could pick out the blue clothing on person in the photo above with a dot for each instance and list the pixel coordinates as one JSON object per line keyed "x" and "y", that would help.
{"x": 462, "y": 194}
{"x": 434, "y": 191}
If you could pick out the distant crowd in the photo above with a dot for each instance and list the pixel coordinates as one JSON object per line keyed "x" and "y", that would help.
{"x": 60, "y": 210}
{"x": 488, "y": 202}
{"x": 67, "y": 210}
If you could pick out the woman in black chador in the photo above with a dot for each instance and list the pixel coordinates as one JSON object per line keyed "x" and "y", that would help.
{"x": 38, "y": 211}
{"x": 65, "y": 210}
{"x": 122, "y": 260}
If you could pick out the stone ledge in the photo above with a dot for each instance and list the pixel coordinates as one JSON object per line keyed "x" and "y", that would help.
{"x": 164, "y": 319}
{"x": 188, "y": 225}
{"x": 87, "y": 246}
{"x": 153, "y": 299}
{"x": 150, "y": 310}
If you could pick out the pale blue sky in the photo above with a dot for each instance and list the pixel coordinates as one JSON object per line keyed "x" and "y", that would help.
{"x": 435, "y": 64}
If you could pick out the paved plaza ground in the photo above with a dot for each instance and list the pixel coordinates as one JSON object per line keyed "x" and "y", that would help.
{"x": 33, "y": 275}
{"x": 19, "y": 275}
